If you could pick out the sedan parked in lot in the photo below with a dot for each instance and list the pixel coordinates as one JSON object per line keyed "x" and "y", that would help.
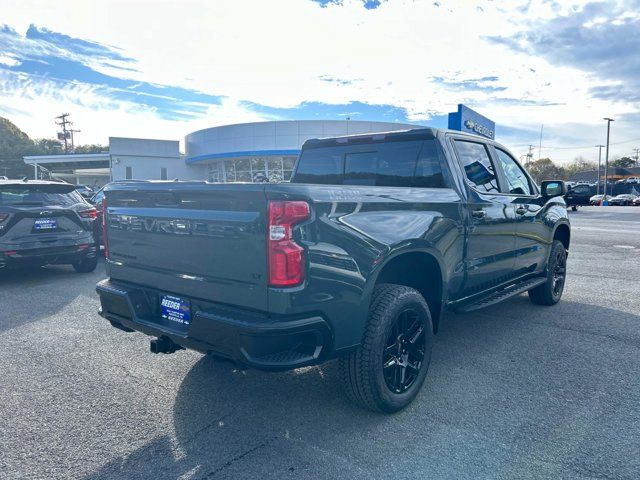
{"x": 596, "y": 199}
{"x": 624, "y": 199}
{"x": 45, "y": 223}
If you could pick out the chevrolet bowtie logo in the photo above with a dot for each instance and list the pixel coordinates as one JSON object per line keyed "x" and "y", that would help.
{"x": 479, "y": 129}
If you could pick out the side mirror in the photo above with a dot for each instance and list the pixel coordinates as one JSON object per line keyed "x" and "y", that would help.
{"x": 553, "y": 188}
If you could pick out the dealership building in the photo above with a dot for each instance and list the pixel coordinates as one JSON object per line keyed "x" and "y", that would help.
{"x": 246, "y": 152}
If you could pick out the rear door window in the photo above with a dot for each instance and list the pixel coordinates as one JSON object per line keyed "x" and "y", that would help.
{"x": 477, "y": 166}
{"x": 429, "y": 168}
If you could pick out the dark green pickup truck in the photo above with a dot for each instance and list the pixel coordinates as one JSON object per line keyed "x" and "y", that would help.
{"x": 356, "y": 258}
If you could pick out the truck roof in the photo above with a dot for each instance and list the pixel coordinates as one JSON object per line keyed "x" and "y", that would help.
{"x": 425, "y": 133}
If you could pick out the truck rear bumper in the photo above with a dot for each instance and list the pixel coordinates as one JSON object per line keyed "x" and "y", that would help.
{"x": 246, "y": 337}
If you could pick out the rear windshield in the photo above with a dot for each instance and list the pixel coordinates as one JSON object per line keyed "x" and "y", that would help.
{"x": 45, "y": 195}
{"x": 414, "y": 163}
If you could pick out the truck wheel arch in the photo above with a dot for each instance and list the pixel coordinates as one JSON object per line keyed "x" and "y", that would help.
{"x": 419, "y": 270}
{"x": 563, "y": 233}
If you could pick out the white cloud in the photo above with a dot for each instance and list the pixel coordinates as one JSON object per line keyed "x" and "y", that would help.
{"x": 276, "y": 52}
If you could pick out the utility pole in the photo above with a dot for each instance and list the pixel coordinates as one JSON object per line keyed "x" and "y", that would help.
{"x": 73, "y": 146}
{"x": 67, "y": 133}
{"x": 530, "y": 155}
{"x": 606, "y": 160}
{"x": 540, "y": 144}
{"x": 637, "y": 150}
{"x": 599, "y": 162}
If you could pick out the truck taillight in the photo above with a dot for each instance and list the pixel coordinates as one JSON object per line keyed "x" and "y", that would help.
{"x": 105, "y": 240}
{"x": 286, "y": 257}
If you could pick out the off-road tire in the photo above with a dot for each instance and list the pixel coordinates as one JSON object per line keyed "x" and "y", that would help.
{"x": 362, "y": 370}
{"x": 550, "y": 292}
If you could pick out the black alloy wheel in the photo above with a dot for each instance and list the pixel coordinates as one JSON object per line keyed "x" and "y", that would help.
{"x": 550, "y": 292}
{"x": 386, "y": 372}
{"x": 404, "y": 351}
{"x": 559, "y": 272}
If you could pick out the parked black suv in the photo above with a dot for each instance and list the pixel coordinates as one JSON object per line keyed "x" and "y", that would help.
{"x": 45, "y": 223}
{"x": 579, "y": 195}
{"x": 356, "y": 258}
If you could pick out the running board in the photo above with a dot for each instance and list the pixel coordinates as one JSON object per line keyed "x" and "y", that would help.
{"x": 501, "y": 295}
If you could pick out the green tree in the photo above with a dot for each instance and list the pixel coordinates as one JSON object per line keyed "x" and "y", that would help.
{"x": 623, "y": 162}
{"x": 545, "y": 169}
{"x": 49, "y": 146}
{"x": 580, "y": 164}
{"x": 15, "y": 144}
{"x": 93, "y": 148}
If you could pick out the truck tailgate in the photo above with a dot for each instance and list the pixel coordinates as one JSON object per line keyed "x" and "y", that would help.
{"x": 192, "y": 239}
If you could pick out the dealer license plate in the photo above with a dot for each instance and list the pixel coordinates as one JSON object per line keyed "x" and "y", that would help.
{"x": 175, "y": 310}
{"x": 45, "y": 224}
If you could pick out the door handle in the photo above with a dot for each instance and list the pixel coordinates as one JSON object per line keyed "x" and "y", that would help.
{"x": 521, "y": 210}
{"x": 480, "y": 213}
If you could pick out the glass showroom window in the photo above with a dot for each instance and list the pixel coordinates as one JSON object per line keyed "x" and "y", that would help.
{"x": 287, "y": 167}
{"x": 213, "y": 175}
{"x": 259, "y": 169}
{"x": 275, "y": 169}
{"x": 230, "y": 170}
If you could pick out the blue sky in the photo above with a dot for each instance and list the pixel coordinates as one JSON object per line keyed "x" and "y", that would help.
{"x": 166, "y": 70}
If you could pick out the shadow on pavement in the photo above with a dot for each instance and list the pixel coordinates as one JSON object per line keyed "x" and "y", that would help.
{"x": 30, "y": 294}
{"x": 511, "y": 384}
{"x": 30, "y": 276}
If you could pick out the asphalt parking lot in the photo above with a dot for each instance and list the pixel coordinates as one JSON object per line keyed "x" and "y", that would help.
{"x": 517, "y": 391}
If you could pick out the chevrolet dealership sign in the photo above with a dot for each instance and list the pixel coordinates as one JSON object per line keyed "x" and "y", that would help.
{"x": 470, "y": 121}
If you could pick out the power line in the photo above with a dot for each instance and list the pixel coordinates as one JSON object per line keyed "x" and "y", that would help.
{"x": 587, "y": 146}
{"x": 578, "y": 147}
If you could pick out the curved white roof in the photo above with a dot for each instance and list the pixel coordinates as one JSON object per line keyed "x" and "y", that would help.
{"x": 273, "y": 138}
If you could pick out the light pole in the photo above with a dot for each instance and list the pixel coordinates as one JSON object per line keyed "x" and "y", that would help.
{"x": 599, "y": 162}
{"x": 606, "y": 160}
